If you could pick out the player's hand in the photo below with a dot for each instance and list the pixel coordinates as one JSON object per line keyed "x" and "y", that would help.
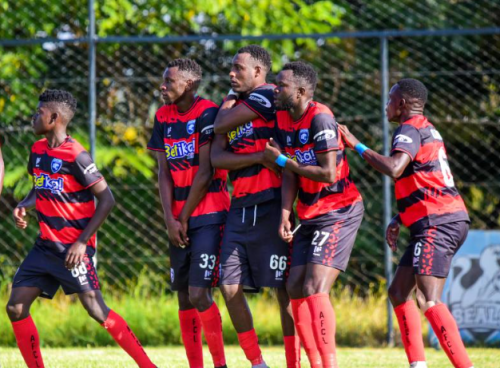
{"x": 184, "y": 230}
{"x": 174, "y": 231}
{"x": 75, "y": 255}
{"x": 285, "y": 230}
{"x": 349, "y": 138}
{"x": 19, "y": 214}
{"x": 272, "y": 151}
{"x": 392, "y": 234}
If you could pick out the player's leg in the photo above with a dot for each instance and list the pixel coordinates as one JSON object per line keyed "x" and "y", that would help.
{"x": 291, "y": 340}
{"x": 116, "y": 326}
{"x": 438, "y": 245}
{"x": 26, "y": 333}
{"x": 203, "y": 274}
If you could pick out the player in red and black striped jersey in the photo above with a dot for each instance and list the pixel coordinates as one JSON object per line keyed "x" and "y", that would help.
{"x": 195, "y": 203}
{"x": 65, "y": 182}
{"x": 329, "y": 206}
{"x": 253, "y": 255}
{"x": 433, "y": 210}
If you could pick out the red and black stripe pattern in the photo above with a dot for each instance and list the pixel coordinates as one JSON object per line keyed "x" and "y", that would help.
{"x": 426, "y": 194}
{"x": 254, "y": 184}
{"x": 180, "y": 136}
{"x": 62, "y": 178}
{"x": 317, "y": 132}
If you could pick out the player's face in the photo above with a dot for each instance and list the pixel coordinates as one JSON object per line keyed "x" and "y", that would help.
{"x": 43, "y": 120}
{"x": 285, "y": 90}
{"x": 393, "y": 107}
{"x": 242, "y": 74}
{"x": 173, "y": 86}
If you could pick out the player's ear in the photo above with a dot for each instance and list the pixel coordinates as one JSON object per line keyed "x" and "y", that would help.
{"x": 258, "y": 70}
{"x": 53, "y": 117}
{"x": 189, "y": 85}
{"x": 301, "y": 91}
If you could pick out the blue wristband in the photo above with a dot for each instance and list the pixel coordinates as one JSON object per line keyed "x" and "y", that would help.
{"x": 361, "y": 148}
{"x": 281, "y": 160}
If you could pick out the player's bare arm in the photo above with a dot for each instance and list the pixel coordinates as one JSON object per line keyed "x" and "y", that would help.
{"x": 392, "y": 166}
{"x": 199, "y": 188}
{"x": 26, "y": 204}
{"x": 230, "y": 116}
{"x": 166, "y": 187}
{"x": 223, "y": 159}
{"x": 105, "y": 204}
{"x": 289, "y": 189}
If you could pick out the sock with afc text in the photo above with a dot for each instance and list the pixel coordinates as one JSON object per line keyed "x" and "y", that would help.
{"x": 303, "y": 325}
{"x": 191, "y": 336}
{"x": 411, "y": 331}
{"x": 28, "y": 342}
{"x": 212, "y": 328}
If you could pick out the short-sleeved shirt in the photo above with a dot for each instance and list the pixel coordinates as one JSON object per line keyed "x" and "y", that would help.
{"x": 62, "y": 178}
{"x": 317, "y": 132}
{"x": 254, "y": 184}
{"x": 426, "y": 194}
{"x": 180, "y": 136}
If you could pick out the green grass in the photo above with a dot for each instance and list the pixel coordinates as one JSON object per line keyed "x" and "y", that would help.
{"x": 174, "y": 357}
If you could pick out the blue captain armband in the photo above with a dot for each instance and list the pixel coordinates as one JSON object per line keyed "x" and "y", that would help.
{"x": 360, "y": 148}
{"x": 281, "y": 160}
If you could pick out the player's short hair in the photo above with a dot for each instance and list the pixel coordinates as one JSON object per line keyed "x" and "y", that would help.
{"x": 59, "y": 97}
{"x": 413, "y": 88}
{"x": 259, "y": 54}
{"x": 188, "y": 66}
{"x": 303, "y": 71}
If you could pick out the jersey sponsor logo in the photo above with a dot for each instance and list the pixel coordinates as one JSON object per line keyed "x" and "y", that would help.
{"x": 242, "y": 130}
{"x": 436, "y": 134}
{"x": 288, "y": 141}
{"x": 172, "y": 275}
{"x": 37, "y": 163}
{"x": 190, "y": 126}
{"x": 260, "y": 99}
{"x": 44, "y": 181}
{"x": 208, "y": 130}
{"x": 306, "y": 158}
{"x": 401, "y": 138}
{"x": 324, "y": 135}
{"x": 179, "y": 149}
{"x": 56, "y": 165}
{"x": 303, "y": 136}
{"x": 91, "y": 169}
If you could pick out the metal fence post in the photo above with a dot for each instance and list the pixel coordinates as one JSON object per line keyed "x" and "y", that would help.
{"x": 384, "y": 76}
{"x": 92, "y": 81}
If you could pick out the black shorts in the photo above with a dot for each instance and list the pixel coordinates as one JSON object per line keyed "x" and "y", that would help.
{"x": 43, "y": 268}
{"x": 253, "y": 254}
{"x": 198, "y": 264}
{"x": 431, "y": 250}
{"x": 328, "y": 242}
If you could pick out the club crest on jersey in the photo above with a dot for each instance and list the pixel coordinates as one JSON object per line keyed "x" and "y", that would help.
{"x": 179, "y": 149}
{"x": 306, "y": 158}
{"x": 44, "y": 181}
{"x": 303, "y": 136}
{"x": 190, "y": 126}
{"x": 242, "y": 130}
{"x": 260, "y": 99}
{"x": 436, "y": 134}
{"x": 56, "y": 165}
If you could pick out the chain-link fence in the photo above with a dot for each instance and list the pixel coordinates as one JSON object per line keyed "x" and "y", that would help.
{"x": 49, "y": 48}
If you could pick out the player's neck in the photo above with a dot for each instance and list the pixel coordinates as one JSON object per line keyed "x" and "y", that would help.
{"x": 297, "y": 111}
{"x": 56, "y": 137}
{"x": 407, "y": 115}
{"x": 185, "y": 103}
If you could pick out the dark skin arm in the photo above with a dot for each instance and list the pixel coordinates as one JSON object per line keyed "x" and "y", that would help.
{"x": 105, "y": 204}
{"x": 289, "y": 189}
{"x": 230, "y": 116}
{"x": 19, "y": 212}
{"x": 166, "y": 187}
{"x": 325, "y": 172}
{"x": 392, "y": 166}
{"x": 223, "y": 159}
{"x": 199, "y": 188}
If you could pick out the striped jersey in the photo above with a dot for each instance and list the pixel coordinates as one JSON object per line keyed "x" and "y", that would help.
{"x": 180, "y": 136}
{"x": 317, "y": 132}
{"x": 62, "y": 178}
{"x": 426, "y": 194}
{"x": 254, "y": 184}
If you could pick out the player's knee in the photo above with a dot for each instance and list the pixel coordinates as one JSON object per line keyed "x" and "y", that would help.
{"x": 294, "y": 288}
{"x": 312, "y": 287}
{"x": 396, "y": 296}
{"x": 201, "y": 299}
{"x": 95, "y": 307}
{"x": 17, "y": 312}
{"x": 283, "y": 298}
{"x": 229, "y": 292}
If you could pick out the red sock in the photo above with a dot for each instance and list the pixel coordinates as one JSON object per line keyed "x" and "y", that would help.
{"x": 411, "y": 331}
{"x": 28, "y": 342}
{"x": 191, "y": 336}
{"x": 323, "y": 325}
{"x": 250, "y": 345}
{"x": 212, "y": 328}
{"x": 446, "y": 330}
{"x": 123, "y": 335}
{"x": 292, "y": 351}
{"x": 303, "y": 325}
